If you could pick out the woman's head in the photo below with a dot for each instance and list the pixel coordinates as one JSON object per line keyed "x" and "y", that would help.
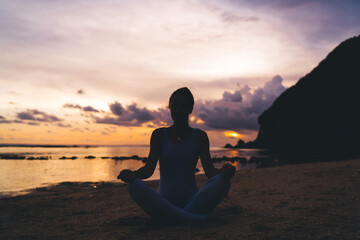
{"x": 181, "y": 104}
{"x": 183, "y": 92}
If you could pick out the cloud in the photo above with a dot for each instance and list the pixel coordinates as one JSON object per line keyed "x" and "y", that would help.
{"x": 275, "y": 3}
{"x": 36, "y": 115}
{"x": 69, "y": 105}
{"x": 294, "y": 3}
{"x": 233, "y": 18}
{"x": 63, "y": 125}
{"x": 132, "y": 115}
{"x": 237, "y": 110}
{"x": 76, "y": 130}
{"x": 232, "y": 97}
{"x": 315, "y": 23}
{"x": 77, "y": 106}
{"x": 4, "y": 120}
{"x": 240, "y": 109}
{"x": 132, "y": 112}
{"x": 116, "y": 108}
{"x": 143, "y": 115}
{"x": 108, "y": 130}
{"x": 33, "y": 123}
{"x": 89, "y": 109}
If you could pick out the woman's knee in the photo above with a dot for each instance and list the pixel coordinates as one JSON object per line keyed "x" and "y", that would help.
{"x": 222, "y": 184}
{"x": 136, "y": 188}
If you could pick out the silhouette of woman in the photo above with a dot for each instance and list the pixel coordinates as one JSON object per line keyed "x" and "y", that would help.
{"x": 178, "y": 149}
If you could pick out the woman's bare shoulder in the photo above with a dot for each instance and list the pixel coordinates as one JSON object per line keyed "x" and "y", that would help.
{"x": 201, "y": 135}
{"x": 158, "y": 132}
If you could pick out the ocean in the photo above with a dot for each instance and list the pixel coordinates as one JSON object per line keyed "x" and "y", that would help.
{"x": 41, "y": 166}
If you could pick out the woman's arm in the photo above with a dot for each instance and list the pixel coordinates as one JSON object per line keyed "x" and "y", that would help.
{"x": 227, "y": 169}
{"x": 146, "y": 171}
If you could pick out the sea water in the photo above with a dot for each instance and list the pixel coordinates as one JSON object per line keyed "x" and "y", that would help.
{"x": 17, "y": 176}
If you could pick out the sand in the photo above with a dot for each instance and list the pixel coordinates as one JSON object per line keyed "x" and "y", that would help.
{"x": 302, "y": 201}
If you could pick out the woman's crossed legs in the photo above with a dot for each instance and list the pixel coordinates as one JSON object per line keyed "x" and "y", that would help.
{"x": 158, "y": 207}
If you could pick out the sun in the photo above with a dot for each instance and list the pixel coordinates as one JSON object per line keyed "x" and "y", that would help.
{"x": 232, "y": 134}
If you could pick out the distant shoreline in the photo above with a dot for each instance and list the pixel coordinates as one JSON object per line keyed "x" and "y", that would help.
{"x": 65, "y": 146}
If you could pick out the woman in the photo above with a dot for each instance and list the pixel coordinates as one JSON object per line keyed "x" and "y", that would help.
{"x": 178, "y": 148}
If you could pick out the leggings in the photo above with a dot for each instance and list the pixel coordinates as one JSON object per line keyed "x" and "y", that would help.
{"x": 203, "y": 202}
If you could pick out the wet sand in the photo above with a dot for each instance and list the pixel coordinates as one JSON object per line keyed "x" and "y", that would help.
{"x": 302, "y": 201}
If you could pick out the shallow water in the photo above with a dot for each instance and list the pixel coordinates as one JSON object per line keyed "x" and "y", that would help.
{"x": 17, "y": 176}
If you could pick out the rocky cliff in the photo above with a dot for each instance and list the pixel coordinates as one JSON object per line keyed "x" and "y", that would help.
{"x": 322, "y": 110}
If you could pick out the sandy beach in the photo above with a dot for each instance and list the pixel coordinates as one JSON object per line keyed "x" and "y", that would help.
{"x": 302, "y": 201}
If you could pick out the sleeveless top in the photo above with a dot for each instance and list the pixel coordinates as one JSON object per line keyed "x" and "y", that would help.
{"x": 177, "y": 169}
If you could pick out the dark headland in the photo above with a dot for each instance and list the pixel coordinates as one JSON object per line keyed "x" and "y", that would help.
{"x": 320, "y": 113}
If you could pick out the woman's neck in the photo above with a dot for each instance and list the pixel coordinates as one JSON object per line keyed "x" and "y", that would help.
{"x": 180, "y": 126}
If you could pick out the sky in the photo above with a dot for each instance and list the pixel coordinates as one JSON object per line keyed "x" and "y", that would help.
{"x": 101, "y": 72}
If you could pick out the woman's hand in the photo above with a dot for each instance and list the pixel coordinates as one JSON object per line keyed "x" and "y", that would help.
{"x": 126, "y": 175}
{"x": 228, "y": 170}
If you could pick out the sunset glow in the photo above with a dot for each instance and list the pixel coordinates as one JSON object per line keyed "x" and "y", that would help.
{"x": 232, "y": 134}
